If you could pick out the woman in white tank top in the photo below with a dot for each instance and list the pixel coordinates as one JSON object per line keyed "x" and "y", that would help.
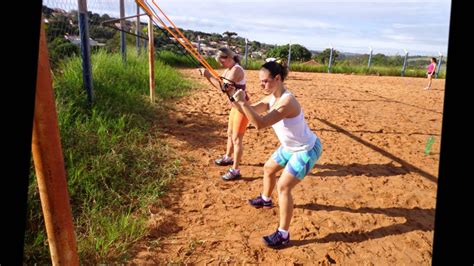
{"x": 300, "y": 147}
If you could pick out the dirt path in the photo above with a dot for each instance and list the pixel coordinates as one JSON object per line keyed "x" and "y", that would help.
{"x": 370, "y": 199}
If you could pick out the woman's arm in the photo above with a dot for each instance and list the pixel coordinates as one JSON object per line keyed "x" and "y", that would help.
{"x": 260, "y": 106}
{"x": 260, "y": 122}
{"x": 204, "y": 72}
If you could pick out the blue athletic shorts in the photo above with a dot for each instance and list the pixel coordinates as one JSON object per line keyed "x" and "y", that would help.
{"x": 298, "y": 163}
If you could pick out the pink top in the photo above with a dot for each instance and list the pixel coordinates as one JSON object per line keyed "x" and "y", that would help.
{"x": 431, "y": 68}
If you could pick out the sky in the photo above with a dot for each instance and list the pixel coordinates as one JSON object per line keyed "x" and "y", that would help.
{"x": 388, "y": 27}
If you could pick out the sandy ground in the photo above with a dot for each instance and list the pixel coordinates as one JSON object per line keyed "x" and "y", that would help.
{"x": 370, "y": 200}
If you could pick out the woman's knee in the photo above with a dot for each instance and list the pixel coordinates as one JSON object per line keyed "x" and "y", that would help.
{"x": 237, "y": 139}
{"x": 269, "y": 168}
{"x": 283, "y": 189}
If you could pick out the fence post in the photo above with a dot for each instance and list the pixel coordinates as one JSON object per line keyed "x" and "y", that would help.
{"x": 246, "y": 52}
{"x": 199, "y": 44}
{"x": 404, "y": 63}
{"x": 289, "y": 55}
{"x": 370, "y": 57}
{"x": 122, "y": 34}
{"x": 85, "y": 49}
{"x": 330, "y": 59}
{"x": 151, "y": 59}
{"x": 439, "y": 64}
{"x": 138, "y": 30}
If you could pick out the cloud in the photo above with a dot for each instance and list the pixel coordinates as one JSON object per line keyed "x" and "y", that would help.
{"x": 185, "y": 20}
{"x": 348, "y": 24}
{"x": 417, "y": 26}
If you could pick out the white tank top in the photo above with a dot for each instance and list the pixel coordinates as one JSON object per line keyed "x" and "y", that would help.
{"x": 293, "y": 133}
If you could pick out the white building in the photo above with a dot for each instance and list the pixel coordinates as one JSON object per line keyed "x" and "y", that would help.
{"x": 74, "y": 39}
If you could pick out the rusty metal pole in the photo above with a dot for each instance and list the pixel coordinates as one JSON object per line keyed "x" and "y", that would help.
{"x": 151, "y": 59}
{"x": 49, "y": 166}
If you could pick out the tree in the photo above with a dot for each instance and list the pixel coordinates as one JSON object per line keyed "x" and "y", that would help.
{"x": 215, "y": 37}
{"x": 323, "y": 57}
{"x": 298, "y": 52}
{"x": 58, "y": 27}
{"x": 94, "y": 18}
{"x": 47, "y": 12}
{"x": 229, "y": 36}
{"x": 101, "y": 34}
{"x": 358, "y": 60}
{"x": 255, "y": 46}
{"x": 379, "y": 59}
{"x": 105, "y": 17}
{"x": 60, "y": 48}
{"x": 396, "y": 60}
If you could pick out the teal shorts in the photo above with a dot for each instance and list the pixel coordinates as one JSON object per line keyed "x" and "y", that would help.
{"x": 299, "y": 163}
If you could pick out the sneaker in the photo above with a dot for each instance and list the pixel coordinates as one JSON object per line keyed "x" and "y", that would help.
{"x": 276, "y": 240}
{"x": 231, "y": 174}
{"x": 258, "y": 202}
{"x": 224, "y": 160}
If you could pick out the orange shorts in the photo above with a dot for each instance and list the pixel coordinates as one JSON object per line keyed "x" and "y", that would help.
{"x": 238, "y": 122}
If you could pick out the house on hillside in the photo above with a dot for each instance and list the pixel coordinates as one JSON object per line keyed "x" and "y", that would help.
{"x": 256, "y": 55}
{"x": 208, "y": 51}
{"x": 74, "y": 39}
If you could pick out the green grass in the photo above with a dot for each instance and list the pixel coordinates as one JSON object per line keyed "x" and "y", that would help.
{"x": 116, "y": 165}
{"x": 253, "y": 64}
{"x": 179, "y": 60}
{"x": 348, "y": 69}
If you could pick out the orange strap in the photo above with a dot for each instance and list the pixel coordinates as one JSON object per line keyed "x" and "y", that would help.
{"x": 183, "y": 40}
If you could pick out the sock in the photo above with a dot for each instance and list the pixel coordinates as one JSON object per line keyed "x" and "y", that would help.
{"x": 283, "y": 233}
{"x": 235, "y": 171}
{"x": 265, "y": 198}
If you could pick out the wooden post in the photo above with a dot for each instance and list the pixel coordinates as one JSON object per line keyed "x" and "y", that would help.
{"x": 151, "y": 59}
{"x": 49, "y": 166}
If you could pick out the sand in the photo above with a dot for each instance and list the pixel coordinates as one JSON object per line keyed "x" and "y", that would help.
{"x": 370, "y": 200}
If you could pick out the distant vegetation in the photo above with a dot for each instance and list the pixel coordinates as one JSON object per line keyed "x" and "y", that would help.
{"x": 302, "y": 59}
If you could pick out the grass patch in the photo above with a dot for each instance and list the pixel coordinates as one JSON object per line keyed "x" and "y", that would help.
{"x": 116, "y": 166}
